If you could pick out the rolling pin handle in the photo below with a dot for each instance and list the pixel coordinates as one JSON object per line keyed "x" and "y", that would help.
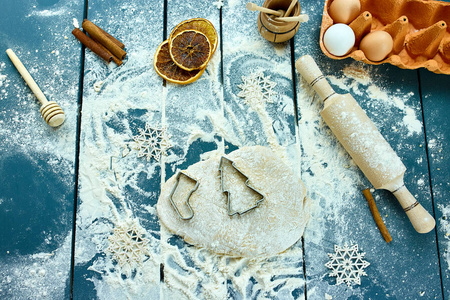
{"x": 309, "y": 70}
{"x": 422, "y": 221}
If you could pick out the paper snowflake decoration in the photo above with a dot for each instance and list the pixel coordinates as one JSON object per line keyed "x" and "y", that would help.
{"x": 128, "y": 246}
{"x": 347, "y": 264}
{"x": 152, "y": 142}
{"x": 257, "y": 88}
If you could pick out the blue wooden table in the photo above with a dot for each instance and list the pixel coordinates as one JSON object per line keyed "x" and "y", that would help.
{"x": 72, "y": 197}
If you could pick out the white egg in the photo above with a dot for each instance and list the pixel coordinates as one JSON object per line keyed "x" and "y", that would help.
{"x": 339, "y": 39}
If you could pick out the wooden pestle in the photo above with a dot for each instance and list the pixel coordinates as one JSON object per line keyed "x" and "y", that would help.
{"x": 50, "y": 110}
{"x": 365, "y": 144}
{"x": 252, "y": 6}
{"x": 290, "y": 8}
{"x": 300, "y": 18}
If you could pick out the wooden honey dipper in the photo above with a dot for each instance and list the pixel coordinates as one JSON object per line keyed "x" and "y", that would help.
{"x": 365, "y": 144}
{"x": 50, "y": 110}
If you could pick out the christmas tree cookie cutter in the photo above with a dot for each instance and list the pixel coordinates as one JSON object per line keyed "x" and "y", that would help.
{"x": 227, "y": 193}
{"x": 188, "y": 197}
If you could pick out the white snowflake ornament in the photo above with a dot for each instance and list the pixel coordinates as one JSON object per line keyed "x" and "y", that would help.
{"x": 257, "y": 88}
{"x": 347, "y": 265}
{"x": 128, "y": 246}
{"x": 152, "y": 142}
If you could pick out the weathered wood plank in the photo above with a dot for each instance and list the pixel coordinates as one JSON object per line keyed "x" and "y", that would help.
{"x": 436, "y": 105}
{"x": 391, "y": 99}
{"x": 117, "y": 237}
{"x": 37, "y": 162}
{"x": 269, "y": 123}
{"x": 190, "y": 113}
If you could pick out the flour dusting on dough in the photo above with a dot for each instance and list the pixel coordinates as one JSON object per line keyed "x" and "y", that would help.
{"x": 268, "y": 229}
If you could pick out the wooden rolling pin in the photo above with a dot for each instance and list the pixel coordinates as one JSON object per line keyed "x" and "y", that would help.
{"x": 365, "y": 144}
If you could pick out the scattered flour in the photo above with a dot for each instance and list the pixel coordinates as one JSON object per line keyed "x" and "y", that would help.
{"x": 133, "y": 95}
{"x": 75, "y": 23}
{"x": 2, "y": 80}
{"x": 421, "y": 182}
{"x": 337, "y": 182}
{"x": 118, "y": 191}
{"x": 445, "y": 229}
{"x": 46, "y": 273}
{"x": 356, "y": 79}
{"x": 218, "y": 4}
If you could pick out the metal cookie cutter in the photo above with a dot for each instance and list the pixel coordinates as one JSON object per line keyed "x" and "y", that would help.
{"x": 230, "y": 212}
{"x": 177, "y": 181}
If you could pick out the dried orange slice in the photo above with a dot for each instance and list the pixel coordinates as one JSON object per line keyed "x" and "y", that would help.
{"x": 190, "y": 50}
{"x": 167, "y": 69}
{"x": 199, "y": 24}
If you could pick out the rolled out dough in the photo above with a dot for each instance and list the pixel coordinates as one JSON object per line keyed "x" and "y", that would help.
{"x": 272, "y": 227}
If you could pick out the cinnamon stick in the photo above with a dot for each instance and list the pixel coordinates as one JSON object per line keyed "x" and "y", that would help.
{"x": 93, "y": 45}
{"x": 116, "y": 41}
{"x": 114, "y": 58}
{"x": 376, "y": 216}
{"x": 99, "y": 36}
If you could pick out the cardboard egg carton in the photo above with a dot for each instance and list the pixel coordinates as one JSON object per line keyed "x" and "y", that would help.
{"x": 420, "y": 30}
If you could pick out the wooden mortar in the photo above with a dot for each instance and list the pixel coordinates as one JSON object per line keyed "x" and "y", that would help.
{"x": 278, "y": 31}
